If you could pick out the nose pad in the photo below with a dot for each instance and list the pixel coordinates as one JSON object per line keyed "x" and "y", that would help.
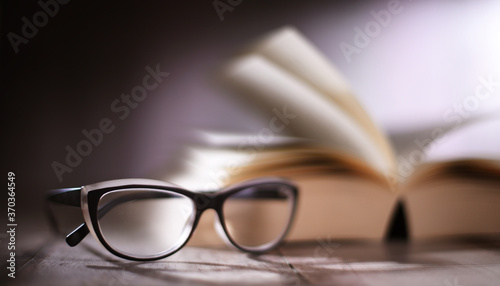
{"x": 220, "y": 231}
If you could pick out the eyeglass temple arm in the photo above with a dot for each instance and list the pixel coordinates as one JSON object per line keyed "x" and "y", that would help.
{"x": 68, "y": 197}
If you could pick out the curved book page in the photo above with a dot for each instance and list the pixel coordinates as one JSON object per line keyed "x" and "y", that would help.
{"x": 315, "y": 116}
{"x": 292, "y": 52}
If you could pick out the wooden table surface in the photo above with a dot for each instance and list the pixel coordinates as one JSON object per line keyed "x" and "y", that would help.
{"x": 322, "y": 262}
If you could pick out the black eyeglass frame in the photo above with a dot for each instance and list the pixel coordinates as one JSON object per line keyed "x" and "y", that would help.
{"x": 87, "y": 197}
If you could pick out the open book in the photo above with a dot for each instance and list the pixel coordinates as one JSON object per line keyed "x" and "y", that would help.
{"x": 352, "y": 184}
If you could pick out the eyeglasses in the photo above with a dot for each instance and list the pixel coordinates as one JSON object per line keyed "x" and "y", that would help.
{"x": 142, "y": 219}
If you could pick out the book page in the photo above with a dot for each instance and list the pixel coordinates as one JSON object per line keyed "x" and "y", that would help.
{"x": 478, "y": 139}
{"x": 207, "y": 168}
{"x": 292, "y": 52}
{"x": 314, "y": 116}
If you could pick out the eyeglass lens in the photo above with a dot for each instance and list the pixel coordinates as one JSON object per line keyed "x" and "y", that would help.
{"x": 145, "y": 222}
{"x": 257, "y": 216}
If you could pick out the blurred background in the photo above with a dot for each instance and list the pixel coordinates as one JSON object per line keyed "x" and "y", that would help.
{"x": 65, "y": 77}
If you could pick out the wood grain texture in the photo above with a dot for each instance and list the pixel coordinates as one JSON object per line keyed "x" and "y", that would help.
{"x": 323, "y": 262}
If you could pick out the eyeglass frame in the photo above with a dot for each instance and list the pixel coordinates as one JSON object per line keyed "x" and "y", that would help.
{"x": 87, "y": 198}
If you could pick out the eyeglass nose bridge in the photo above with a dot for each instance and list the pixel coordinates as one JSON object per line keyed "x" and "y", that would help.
{"x": 205, "y": 201}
